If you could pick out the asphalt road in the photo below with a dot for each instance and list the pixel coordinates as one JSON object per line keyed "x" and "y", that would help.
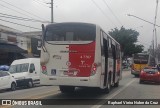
{"x": 129, "y": 88}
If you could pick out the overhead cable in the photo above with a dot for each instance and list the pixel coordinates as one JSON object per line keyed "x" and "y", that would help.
{"x": 21, "y": 9}
{"x": 103, "y": 12}
{"x": 41, "y": 3}
{"x": 20, "y": 24}
{"x": 20, "y": 18}
{"x": 112, "y": 12}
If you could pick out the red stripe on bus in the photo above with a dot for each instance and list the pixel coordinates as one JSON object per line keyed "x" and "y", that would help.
{"x": 81, "y": 58}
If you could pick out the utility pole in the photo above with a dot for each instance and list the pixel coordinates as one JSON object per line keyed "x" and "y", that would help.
{"x": 154, "y": 41}
{"x": 52, "y": 11}
{"x": 52, "y": 20}
{"x": 155, "y": 35}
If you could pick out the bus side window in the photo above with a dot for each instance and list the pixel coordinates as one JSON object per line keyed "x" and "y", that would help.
{"x": 109, "y": 49}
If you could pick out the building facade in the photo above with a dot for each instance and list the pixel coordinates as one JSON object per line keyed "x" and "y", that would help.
{"x": 15, "y": 44}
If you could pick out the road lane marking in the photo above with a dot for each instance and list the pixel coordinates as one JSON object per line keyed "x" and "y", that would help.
{"x": 99, "y": 104}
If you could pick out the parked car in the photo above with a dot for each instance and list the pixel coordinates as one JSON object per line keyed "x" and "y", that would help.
{"x": 4, "y": 67}
{"x": 150, "y": 74}
{"x": 7, "y": 81}
{"x": 26, "y": 71}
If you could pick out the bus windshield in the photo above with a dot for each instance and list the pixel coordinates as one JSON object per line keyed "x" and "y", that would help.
{"x": 140, "y": 59}
{"x": 70, "y": 32}
{"x": 19, "y": 68}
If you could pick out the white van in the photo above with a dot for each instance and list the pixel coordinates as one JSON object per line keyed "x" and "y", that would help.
{"x": 26, "y": 71}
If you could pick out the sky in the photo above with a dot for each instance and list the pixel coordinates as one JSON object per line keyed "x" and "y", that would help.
{"x": 108, "y": 14}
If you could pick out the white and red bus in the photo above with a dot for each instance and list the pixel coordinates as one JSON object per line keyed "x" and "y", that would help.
{"x": 79, "y": 55}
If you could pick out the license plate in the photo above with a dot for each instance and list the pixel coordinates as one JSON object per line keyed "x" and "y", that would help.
{"x": 70, "y": 73}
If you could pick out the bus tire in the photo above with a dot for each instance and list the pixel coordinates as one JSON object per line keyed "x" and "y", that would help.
{"x": 67, "y": 89}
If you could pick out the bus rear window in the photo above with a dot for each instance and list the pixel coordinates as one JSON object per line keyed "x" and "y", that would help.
{"x": 140, "y": 59}
{"x": 70, "y": 32}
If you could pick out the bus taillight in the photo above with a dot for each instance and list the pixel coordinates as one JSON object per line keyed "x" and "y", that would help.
{"x": 94, "y": 68}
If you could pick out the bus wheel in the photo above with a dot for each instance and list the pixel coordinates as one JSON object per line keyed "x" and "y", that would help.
{"x": 116, "y": 84}
{"x": 67, "y": 89}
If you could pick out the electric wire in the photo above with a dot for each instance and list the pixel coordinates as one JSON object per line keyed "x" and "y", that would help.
{"x": 112, "y": 12}
{"x": 20, "y": 24}
{"x": 15, "y": 11}
{"x": 41, "y": 3}
{"x": 20, "y": 18}
{"x": 21, "y": 9}
{"x": 103, "y": 12}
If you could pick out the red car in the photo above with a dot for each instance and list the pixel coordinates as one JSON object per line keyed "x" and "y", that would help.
{"x": 150, "y": 74}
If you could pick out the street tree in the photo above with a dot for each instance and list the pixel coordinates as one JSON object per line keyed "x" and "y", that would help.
{"x": 127, "y": 39}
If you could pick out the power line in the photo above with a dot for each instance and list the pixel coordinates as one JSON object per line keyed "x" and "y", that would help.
{"x": 21, "y": 9}
{"x": 20, "y": 24}
{"x": 112, "y": 12}
{"x": 41, "y": 3}
{"x": 15, "y": 10}
{"x": 20, "y": 18}
{"x": 102, "y": 12}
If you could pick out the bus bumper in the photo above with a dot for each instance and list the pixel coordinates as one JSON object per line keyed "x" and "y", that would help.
{"x": 71, "y": 81}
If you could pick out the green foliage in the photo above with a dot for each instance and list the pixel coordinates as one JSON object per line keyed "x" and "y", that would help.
{"x": 127, "y": 38}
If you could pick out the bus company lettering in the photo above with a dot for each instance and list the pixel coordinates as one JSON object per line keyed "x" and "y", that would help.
{"x": 85, "y": 56}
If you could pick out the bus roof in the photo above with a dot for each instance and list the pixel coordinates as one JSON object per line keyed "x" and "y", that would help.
{"x": 62, "y": 23}
{"x": 82, "y": 23}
